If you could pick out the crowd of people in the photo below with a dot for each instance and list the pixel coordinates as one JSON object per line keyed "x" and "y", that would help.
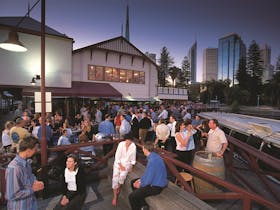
{"x": 174, "y": 128}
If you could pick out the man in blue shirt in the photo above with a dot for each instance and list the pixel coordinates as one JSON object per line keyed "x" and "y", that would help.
{"x": 107, "y": 128}
{"x": 153, "y": 180}
{"x": 20, "y": 182}
{"x": 49, "y": 132}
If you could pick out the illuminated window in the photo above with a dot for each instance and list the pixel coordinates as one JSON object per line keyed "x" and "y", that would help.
{"x": 142, "y": 77}
{"x": 136, "y": 75}
{"x": 116, "y": 75}
{"x": 101, "y": 73}
{"x": 91, "y": 72}
{"x": 129, "y": 76}
{"x": 122, "y": 75}
{"x": 108, "y": 74}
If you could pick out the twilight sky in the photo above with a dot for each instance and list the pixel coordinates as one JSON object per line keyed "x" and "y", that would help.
{"x": 175, "y": 24}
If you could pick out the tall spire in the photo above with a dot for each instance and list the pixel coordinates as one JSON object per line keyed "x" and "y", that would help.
{"x": 28, "y": 9}
{"x": 127, "y": 22}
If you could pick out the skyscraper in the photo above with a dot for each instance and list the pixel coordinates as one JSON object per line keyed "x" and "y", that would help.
{"x": 266, "y": 58}
{"x": 192, "y": 59}
{"x": 231, "y": 50}
{"x": 210, "y": 64}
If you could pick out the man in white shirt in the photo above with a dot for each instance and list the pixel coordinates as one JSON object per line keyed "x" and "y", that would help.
{"x": 98, "y": 115}
{"x": 162, "y": 134}
{"x": 125, "y": 158}
{"x": 125, "y": 126}
{"x": 216, "y": 141}
{"x": 171, "y": 143}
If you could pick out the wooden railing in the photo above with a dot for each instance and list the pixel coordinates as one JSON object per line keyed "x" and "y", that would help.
{"x": 233, "y": 191}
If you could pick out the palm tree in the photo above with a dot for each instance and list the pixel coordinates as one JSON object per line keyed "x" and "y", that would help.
{"x": 174, "y": 72}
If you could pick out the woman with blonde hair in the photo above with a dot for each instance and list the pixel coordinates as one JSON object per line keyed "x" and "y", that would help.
{"x": 6, "y": 140}
{"x": 87, "y": 130}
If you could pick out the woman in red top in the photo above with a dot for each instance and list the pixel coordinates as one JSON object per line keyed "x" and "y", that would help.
{"x": 117, "y": 122}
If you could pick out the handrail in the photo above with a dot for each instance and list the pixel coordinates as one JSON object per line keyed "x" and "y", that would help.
{"x": 268, "y": 159}
{"x": 237, "y": 192}
{"x": 78, "y": 145}
{"x": 218, "y": 181}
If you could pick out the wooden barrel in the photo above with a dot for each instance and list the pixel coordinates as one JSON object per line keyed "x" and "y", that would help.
{"x": 211, "y": 164}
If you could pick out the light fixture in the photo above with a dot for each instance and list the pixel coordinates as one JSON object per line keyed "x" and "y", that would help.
{"x": 13, "y": 43}
{"x": 33, "y": 81}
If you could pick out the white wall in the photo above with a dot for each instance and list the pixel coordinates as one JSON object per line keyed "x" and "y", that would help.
{"x": 18, "y": 68}
{"x": 82, "y": 59}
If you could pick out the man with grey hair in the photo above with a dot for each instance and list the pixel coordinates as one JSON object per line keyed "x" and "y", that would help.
{"x": 216, "y": 141}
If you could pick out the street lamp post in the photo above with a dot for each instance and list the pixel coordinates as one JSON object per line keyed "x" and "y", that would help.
{"x": 43, "y": 87}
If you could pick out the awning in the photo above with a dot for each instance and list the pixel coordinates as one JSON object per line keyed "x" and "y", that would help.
{"x": 78, "y": 89}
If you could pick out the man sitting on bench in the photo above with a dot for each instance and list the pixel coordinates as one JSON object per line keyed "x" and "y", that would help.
{"x": 152, "y": 182}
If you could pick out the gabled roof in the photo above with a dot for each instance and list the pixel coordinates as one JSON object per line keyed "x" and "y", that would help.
{"x": 117, "y": 44}
{"x": 28, "y": 23}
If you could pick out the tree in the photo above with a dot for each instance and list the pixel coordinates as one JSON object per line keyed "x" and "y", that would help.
{"x": 165, "y": 62}
{"x": 174, "y": 72}
{"x": 185, "y": 74}
{"x": 272, "y": 90}
{"x": 254, "y": 64}
{"x": 218, "y": 90}
{"x": 277, "y": 66}
{"x": 255, "y": 69}
{"x": 242, "y": 75}
{"x": 194, "y": 92}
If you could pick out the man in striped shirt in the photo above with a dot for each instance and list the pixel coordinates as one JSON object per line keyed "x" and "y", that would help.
{"x": 20, "y": 182}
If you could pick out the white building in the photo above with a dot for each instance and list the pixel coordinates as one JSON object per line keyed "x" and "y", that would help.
{"x": 18, "y": 68}
{"x": 119, "y": 63}
{"x": 114, "y": 68}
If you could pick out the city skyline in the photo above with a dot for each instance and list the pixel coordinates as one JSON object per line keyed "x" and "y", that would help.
{"x": 154, "y": 24}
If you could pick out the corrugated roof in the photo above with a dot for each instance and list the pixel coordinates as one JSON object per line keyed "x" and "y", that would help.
{"x": 117, "y": 44}
{"x": 29, "y": 24}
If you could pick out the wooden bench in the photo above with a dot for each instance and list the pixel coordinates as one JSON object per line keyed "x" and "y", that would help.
{"x": 172, "y": 197}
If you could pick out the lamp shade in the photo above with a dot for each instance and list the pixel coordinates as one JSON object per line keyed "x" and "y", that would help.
{"x": 13, "y": 44}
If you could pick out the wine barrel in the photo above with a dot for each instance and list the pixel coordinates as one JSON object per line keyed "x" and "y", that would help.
{"x": 211, "y": 164}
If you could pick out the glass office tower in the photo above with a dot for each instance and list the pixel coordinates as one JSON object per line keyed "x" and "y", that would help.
{"x": 231, "y": 50}
{"x": 192, "y": 59}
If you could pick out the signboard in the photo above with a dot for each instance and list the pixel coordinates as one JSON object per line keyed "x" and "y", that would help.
{"x": 38, "y": 104}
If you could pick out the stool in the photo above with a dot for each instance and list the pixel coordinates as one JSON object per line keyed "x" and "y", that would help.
{"x": 187, "y": 177}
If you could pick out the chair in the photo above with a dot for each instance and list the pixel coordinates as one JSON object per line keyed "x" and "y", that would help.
{"x": 187, "y": 177}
